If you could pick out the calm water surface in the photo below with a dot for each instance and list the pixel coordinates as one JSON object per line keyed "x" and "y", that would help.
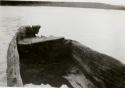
{"x": 102, "y": 30}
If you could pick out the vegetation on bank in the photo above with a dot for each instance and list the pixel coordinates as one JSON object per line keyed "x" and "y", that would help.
{"x": 63, "y": 4}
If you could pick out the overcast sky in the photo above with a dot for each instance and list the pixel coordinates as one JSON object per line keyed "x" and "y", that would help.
{"x": 119, "y": 2}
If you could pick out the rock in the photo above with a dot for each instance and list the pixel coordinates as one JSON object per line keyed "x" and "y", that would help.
{"x": 36, "y": 28}
{"x": 27, "y": 32}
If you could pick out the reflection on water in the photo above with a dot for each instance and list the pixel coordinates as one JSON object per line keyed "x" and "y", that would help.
{"x": 102, "y": 30}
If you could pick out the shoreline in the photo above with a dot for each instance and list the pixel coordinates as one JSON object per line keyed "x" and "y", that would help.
{"x": 63, "y": 4}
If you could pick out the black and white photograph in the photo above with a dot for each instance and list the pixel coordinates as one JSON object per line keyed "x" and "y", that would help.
{"x": 62, "y": 43}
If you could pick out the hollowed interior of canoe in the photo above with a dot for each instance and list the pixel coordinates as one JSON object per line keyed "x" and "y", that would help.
{"x": 45, "y": 62}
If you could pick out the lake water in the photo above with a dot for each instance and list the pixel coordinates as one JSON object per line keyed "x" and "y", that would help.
{"x": 101, "y": 30}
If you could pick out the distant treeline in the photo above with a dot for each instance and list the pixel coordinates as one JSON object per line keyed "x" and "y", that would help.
{"x": 63, "y": 4}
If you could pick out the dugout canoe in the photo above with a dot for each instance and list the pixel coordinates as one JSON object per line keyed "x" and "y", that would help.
{"x": 57, "y": 60}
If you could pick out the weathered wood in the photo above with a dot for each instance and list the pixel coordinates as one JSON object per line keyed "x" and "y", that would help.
{"x": 13, "y": 62}
{"x": 13, "y": 68}
{"x": 36, "y": 40}
{"x": 100, "y": 69}
{"x": 58, "y": 61}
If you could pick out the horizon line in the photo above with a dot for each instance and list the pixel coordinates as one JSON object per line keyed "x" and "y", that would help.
{"x": 95, "y": 5}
